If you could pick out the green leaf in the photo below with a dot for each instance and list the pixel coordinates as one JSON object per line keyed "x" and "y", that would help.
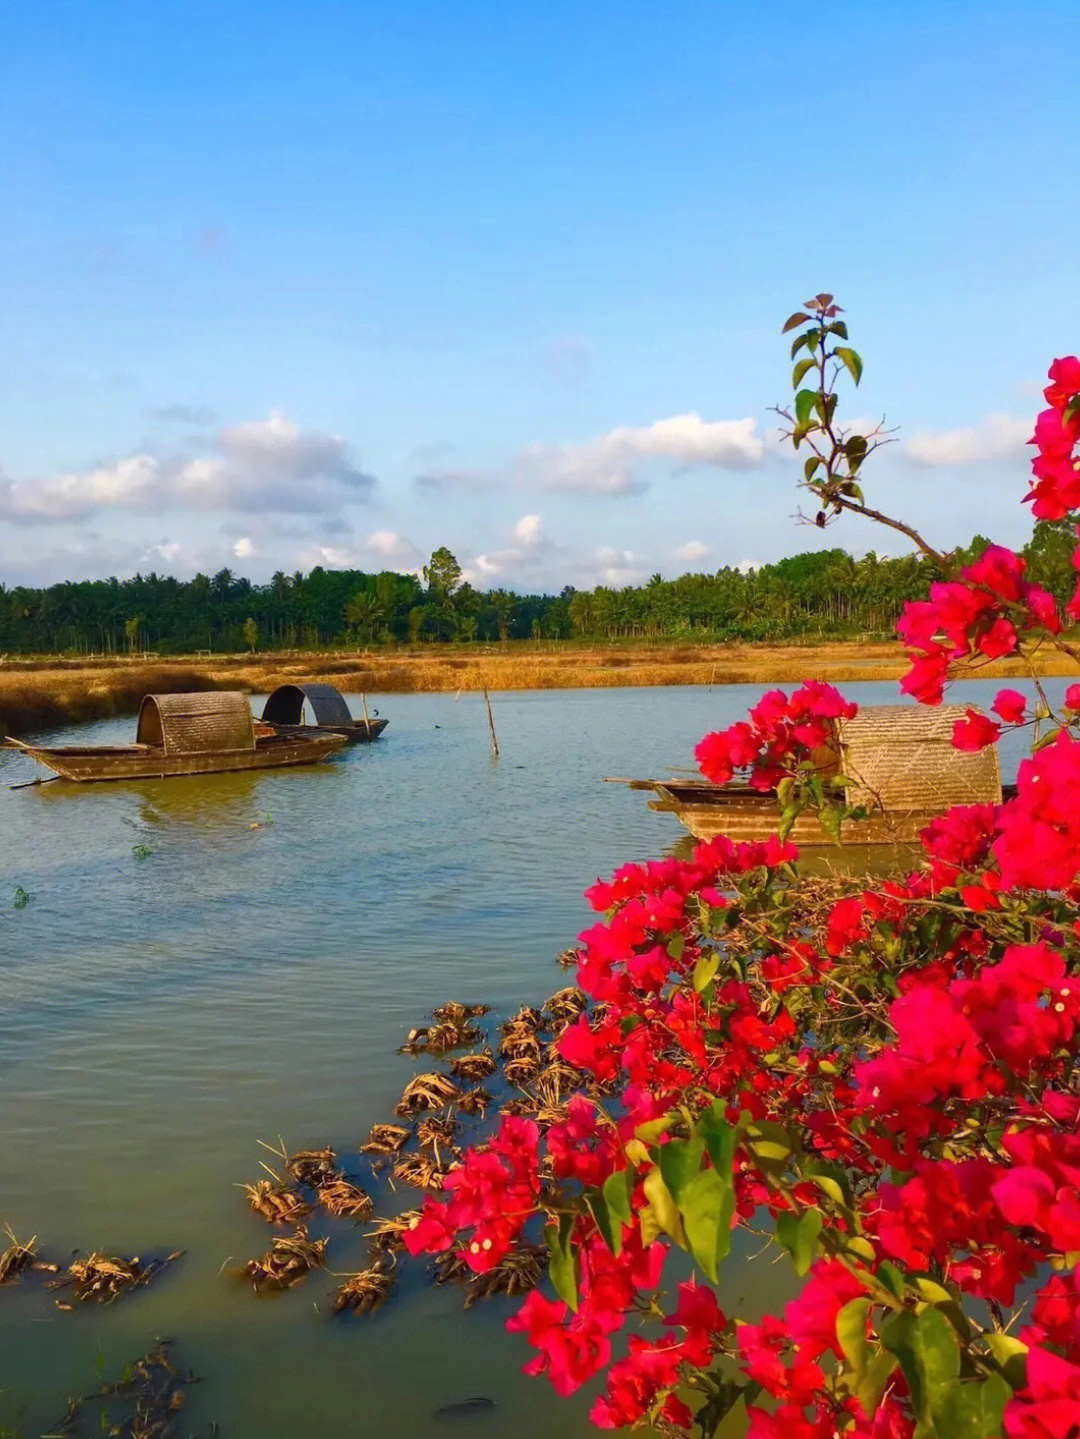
{"x": 929, "y": 1354}
{"x": 707, "y": 1205}
{"x": 1011, "y": 1356}
{"x": 851, "y": 1333}
{"x": 664, "y": 1209}
{"x": 563, "y": 1267}
{"x": 802, "y": 368}
{"x": 788, "y": 815}
{"x": 892, "y": 1278}
{"x": 804, "y": 405}
{"x": 972, "y": 1411}
{"x": 829, "y": 819}
{"x": 676, "y": 945}
{"x": 617, "y": 1190}
{"x": 792, "y": 320}
{"x": 875, "y": 1378}
{"x": 811, "y": 465}
{"x": 610, "y": 1229}
{"x": 799, "y": 342}
{"x": 851, "y": 359}
{"x": 798, "y": 1234}
{"x": 705, "y": 971}
{"x": 680, "y": 1160}
{"x": 651, "y": 1130}
{"x": 837, "y": 328}
{"x": 719, "y": 1136}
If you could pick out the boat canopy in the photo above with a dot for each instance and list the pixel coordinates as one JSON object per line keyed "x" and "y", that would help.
{"x": 901, "y": 758}
{"x": 208, "y": 723}
{"x": 286, "y": 705}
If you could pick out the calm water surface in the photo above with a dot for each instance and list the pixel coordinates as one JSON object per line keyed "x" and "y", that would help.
{"x": 251, "y": 977}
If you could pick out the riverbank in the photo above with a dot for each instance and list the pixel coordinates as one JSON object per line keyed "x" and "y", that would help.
{"x": 40, "y": 693}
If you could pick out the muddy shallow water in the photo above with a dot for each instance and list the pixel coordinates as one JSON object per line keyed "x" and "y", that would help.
{"x": 207, "y": 963}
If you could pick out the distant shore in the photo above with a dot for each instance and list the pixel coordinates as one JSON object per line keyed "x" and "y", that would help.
{"x": 43, "y": 692}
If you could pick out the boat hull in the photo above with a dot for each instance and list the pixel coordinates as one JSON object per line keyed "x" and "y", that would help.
{"x": 744, "y": 814}
{"x": 88, "y": 764}
{"x": 359, "y": 732}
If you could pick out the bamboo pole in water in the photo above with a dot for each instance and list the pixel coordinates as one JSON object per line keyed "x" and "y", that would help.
{"x": 367, "y": 722}
{"x": 491, "y": 726}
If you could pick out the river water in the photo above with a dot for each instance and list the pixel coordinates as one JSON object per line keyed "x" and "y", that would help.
{"x": 208, "y": 963}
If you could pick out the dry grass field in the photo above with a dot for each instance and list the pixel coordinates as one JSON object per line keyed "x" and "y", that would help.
{"x": 38, "y": 693}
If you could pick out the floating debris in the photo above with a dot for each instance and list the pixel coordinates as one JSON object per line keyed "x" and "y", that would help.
{"x": 451, "y": 1268}
{"x": 433, "y": 1131}
{"x": 555, "y": 1081}
{"x": 276, "y": 1203}
{"x": 385, "y": 1139}
{"x": 365, "y": 1290}
{"x": 344, "y": 1200}
{"x": 526, "y": 1018}
{"x": 475, "y": 1101}
{"x": 387, "y": 1234}
{"x": 455, "y": 1013}
{"x": 286, "y": 1262}
{"x": 471, "y": 1408}
{"x": 447, "y": 1035}
{"x": 421, "y": 1170}
{"x": 314, "y": 1167}
{"x": 17, "y": 1257}
{"x": 568, "y": 958}
{"x": 566, "y": 1004}
{"x": 472, "y": 1067}
{"x": 103, "y": 1278}
{"x": 428, "y": 1091}
{"x": 521, "y": 1071}
{"x": 522, "y": 1043}
{"x": 143, "y": 1404}
{"x": 521, "y": 1270}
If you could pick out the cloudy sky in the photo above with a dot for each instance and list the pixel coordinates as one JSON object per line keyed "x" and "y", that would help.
{"x": 336, "y": 283}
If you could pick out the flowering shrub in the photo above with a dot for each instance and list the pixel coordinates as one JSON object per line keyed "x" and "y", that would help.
{"x": 883, "y": 1077}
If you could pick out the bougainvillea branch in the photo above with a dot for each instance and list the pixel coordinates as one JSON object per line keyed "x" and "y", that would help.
{"x": 884, "y": 1078}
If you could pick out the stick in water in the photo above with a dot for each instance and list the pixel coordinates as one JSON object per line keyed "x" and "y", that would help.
{"x": 367, "y": 722}
{"x": 491, "y": 726}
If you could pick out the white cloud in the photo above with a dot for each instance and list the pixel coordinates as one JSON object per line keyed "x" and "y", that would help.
{"x": 529, "y": 532}
{"x": 383, "y": 550}
{"x": 266, "y": 466}
{"x": 244, "y": 548}
{"x": 523, "y": 555}
{"x": 692, "y": 553}
{"x": 611, "y": 464}
{"x": 995, "y": 437}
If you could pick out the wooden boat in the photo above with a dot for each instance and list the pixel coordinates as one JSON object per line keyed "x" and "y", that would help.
{"x": 284, "y": 710}
{"x": 898, "y": 764}
{"x": 185, "y": 734}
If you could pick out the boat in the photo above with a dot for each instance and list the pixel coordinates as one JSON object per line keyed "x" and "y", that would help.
{"x": 284, "y": 711}
{"x": 185, "y": 734}
{"x": 898, "y": 765}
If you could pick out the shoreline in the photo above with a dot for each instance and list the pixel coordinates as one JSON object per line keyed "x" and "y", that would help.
{"x": 44, "y": 692}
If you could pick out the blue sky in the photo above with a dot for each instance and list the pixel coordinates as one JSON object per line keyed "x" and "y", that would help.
{"x": 337, "y": 283}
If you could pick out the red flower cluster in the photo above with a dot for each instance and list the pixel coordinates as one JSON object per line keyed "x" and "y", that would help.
{"x": 781, "y": 734}
{"x": 1056, "y": 468}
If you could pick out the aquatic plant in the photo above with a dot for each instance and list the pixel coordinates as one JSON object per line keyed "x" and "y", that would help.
{"x": 880, "y": 1078}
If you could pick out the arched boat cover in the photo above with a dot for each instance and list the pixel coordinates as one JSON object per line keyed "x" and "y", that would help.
{"x": 196, "y": 723}
{"x": 286, "y": 705}
{"x": 901, "y": 758}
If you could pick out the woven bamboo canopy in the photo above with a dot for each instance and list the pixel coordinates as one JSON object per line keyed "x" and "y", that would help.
{"x": 900, "y": 758}
{"x": 286, "y": 705}
{"x": 196, "y": 723}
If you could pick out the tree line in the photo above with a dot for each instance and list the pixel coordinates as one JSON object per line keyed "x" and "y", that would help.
{"x": 822, "y": 593}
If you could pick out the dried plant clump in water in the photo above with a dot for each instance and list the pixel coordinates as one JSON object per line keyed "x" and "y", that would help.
{"x": 526, "y": 1018}
{"x": 103, "y": 1278}
{"x": 525, "y": 1104}
{"x": 455, "y": 1013}
{"x": 521, "y": 1270}
{"x": 475, "y": 1101}
{"x": 364, "y": 1291}
{"x": 555, "y": 1081}
{"x": 387, "y": 1234}
{"x": 143, "y": 1404}
{"x": 428, "y": 1091}
{"x": 446, "y": 1035}
{"x": 314, "y": 1167}
{"x": 286, "y": 1262}
{"x": 385, "y": 1139}
{"x": 421, "y": 1170}
{"x": 17, "y": 1257}
{"x": 436, "y": 1130}
{"x": 520, "y": 1071}
{"x": 566, "y": 1004}
{"x": 344, "y": 1200}
{"x": 472, "y": 1067}
{"x": 276, "y": 1203}
{"x": 568, "y": 958}
{"x": 451, "y": 1268}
